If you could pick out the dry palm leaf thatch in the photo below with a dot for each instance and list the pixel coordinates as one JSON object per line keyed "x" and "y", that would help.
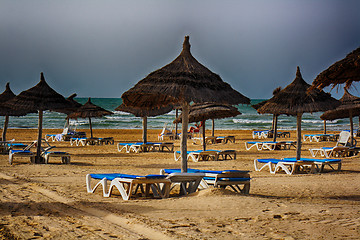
{"x": 345, "y": 71}
{"x": 89, "y": 110}
{"x": 182, "y": 80}
{"x": 39, "y": 98}
{"x": 7, "y": 111}
{"x": 203, "y": 111}
{"x": 296, "y": 99}
{"x": 348, "y": 102}
{"x": 140, "y": 112}
{"x": 74, "y": 105}
{"x": 350, "y": 106}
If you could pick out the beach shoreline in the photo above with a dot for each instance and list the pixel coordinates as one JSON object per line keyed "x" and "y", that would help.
{"x": 49, "y": 201}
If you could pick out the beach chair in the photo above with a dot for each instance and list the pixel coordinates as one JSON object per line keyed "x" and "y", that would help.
{"x": 23, "y": 153}
{"x": 340, "y": 149}
{"x": 321, "y": 163}
{"x": 163, "y": 146}
{"x": 188, "y": 182}
{"x": 129, "y": 185}
{"x": 77, "y": 141}
{"x": 106, "y": 141}
{"x": 251, "y": 144}
{"x": 237, "y": 180}
{"x": 288, "y": 165}
{"x": 198, "y": 155}
{"x": 225, "y": 154}
{"x": 166, "y": 133}
{"x": 124, "y": 147}
{"x": 225, "y": 139}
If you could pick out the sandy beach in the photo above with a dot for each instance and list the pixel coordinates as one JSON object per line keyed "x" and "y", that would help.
{"x": 39, "y": 201}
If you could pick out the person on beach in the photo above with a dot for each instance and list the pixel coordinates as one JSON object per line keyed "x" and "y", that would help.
{"x": 196, "y": 128}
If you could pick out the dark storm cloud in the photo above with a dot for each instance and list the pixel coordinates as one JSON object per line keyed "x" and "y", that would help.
{"x": 102, "y": 48}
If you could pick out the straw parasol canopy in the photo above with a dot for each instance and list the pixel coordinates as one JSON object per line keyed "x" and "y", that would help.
{"x": 39, "y": 98}
{"x": 345, "y": 71}
{"x": 275, "y": 116}
{"x": 296, "y": 99}
{"x": 74, "y": 105}
{"x": 202, "y": 111}
{"x": 350, "y": 106}
{"x": 144, "y": 113}
{"x": 89, "y": 110}
{"x": 6, "y": 111}
{"x": 181, "y": 82}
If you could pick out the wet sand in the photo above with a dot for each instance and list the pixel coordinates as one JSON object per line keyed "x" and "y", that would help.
{"x": 39, "y": 201}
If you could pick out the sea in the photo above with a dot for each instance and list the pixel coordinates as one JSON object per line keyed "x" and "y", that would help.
{"x": 248, "y": 120}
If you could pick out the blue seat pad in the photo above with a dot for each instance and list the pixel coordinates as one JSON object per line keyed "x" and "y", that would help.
{"x": 112, "y": 176}
{"x": 23, "y": 151}
{"x": 267, "y": 160}
{"x": 191, "y": 170}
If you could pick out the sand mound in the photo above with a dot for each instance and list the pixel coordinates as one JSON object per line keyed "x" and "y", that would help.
{"x": 215, "y": 192}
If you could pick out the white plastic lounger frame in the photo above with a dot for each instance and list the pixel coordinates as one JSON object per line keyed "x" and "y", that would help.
{"x": 290, "y": 167}
{"x": 159, "y": 186}
{"x": 65, "y": 157}
{"x": 127, "y": 185}
{"x": 203, "y": 155}
{"x": 249, "y": 145}
{"x": 188, "y": 182}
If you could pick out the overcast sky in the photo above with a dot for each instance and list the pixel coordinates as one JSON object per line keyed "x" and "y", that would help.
{"x": 102, "y": 48}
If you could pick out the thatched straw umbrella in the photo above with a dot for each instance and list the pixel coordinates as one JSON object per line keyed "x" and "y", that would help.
{"x": 275, "y": 116}
{"x": 202, "y": 111}
{"x": 75, "y": 105}
{"x": 350, "y": 106}
{"x": 39, "y": 98}
{"x": 144, "y": 114}
{"x": 345, "y": 71}
{"x": 6, "y": 111}
{"x": 181, "y": 82}
{"x": 296, "y": 99}
{"x": 89, "y": 110}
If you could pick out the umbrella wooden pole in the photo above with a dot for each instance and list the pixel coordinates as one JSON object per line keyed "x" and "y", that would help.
{"x": 6, "y": 123}
{"x": 183, "y": 140}
{"x": 275, "y": 120}
{"x": 298, "y": 131}
{"x": 144, "y": 130}
{"x": 324, "y": 126}
{"x": 213, "y": 128}
{"x": 91, "y": 133}
{"x": 203, "y": 137}
{"x": 38, "y": 148}
{"x": 351, "y": 127}
{"x": 176, "y": 124}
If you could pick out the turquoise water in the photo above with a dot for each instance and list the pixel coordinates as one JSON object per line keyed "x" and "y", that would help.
{"x": 249, "y": 119}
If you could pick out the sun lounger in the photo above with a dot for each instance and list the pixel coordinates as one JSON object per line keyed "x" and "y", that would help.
{"x": 288, "y": 165}
{"x": 78, "y": 141}
{"x": 21, "y": 153}
{"x": 269, "y": 145}
{"x": 128, "y": 185}
{"x": 341, "y": 148}
{"x": 225, "y": 139}
{"x": 260, "y": 134}
{"x": 198, "y": 155}
{"x": 106, "y": 141}
{"x": 225, "y": 154}
{"x": 163, "y": 146}
{"x": 232, "y": 178}
{"x": 188, "y": 182}
{"x": 65, "y": 157}
{"x": 321, "y": 163}
{"x": 337, "y": 151}
{"x": 319, "y": 137}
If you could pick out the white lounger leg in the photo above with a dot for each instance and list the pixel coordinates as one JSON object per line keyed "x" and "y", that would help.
{"x": 103, "y": 182}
